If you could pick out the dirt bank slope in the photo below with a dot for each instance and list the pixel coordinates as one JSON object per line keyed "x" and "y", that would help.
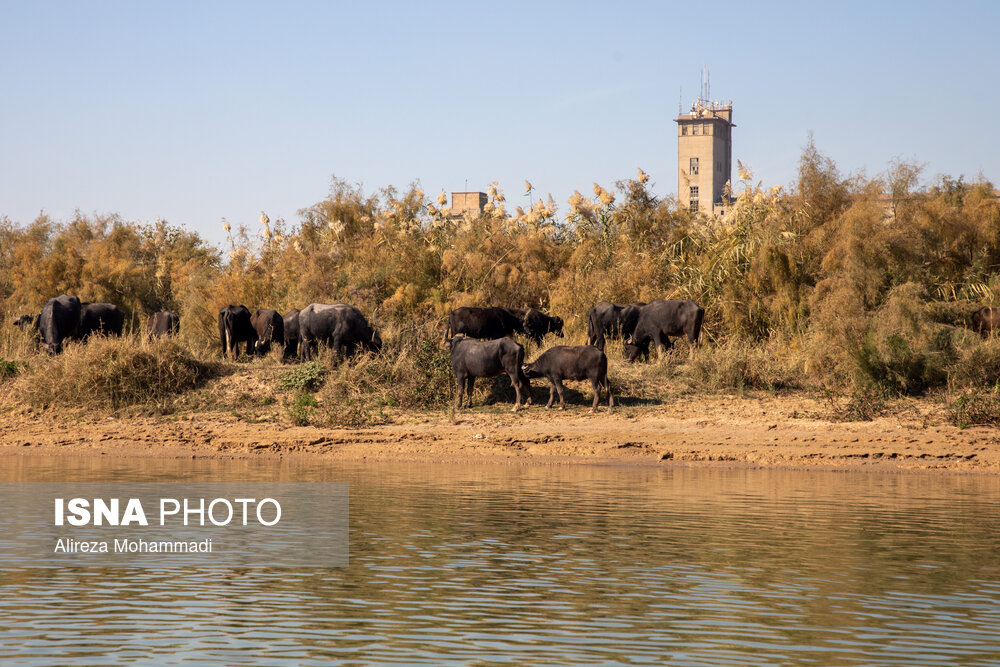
{"x": 764, "y": 431}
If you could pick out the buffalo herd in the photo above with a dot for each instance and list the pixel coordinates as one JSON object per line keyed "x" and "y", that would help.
{"x": 67, "y": 318}
{"x": 638, "y": 324}
{"x": 481, "y": 340}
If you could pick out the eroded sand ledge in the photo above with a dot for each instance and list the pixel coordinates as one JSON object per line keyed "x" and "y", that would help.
{"x": 764, "y": 431}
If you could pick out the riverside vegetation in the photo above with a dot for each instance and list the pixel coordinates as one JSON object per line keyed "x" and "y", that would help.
{"x": 856, "y": 288}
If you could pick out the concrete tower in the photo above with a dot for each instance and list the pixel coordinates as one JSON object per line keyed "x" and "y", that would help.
{"x": 705, "y": 156}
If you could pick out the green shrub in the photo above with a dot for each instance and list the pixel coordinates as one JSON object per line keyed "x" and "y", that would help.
{"x": 301, "y": 409}
{"x": 9, "y": 369}
{"x": 305, "y": 377}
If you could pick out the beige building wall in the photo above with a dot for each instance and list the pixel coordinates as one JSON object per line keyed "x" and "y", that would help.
{"x": 468, "y": 202}
{"x": 704, "y": 157}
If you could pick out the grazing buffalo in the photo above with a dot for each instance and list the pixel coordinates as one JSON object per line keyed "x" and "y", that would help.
{"x": 100, "y": 318}
{"x": 611, "y": 320}
{"x": 291, "y": 322}
{"x": 270, "y": 328}
{"x": 572, "y": 362}
{"x": 471, "y": 359}
{"x": 339, "y": 326}
{"x": 485, "y": 323}
{"x": 59, "y": 320}
{"x": 27, "y": 322}
{"x": 537, "y": 323}
{"x": 660, "y": 319}
{"x": 163, "y": 323}
{"x": 235, "y": 328}
{"x": 985, "y": 320}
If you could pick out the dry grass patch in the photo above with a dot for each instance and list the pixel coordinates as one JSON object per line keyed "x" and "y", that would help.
{"x": 112, "y": 373}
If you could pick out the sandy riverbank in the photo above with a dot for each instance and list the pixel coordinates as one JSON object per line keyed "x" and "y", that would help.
{"x": 758, "y": 431}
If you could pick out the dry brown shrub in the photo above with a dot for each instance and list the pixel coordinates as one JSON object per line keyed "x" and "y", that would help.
{"x": 739, "y": 365}
{"x": 838, "y": 326}
{"x": 112, "y": 373}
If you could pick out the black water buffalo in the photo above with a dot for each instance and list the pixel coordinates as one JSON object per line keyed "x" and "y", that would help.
{"x": 986, "y": 320}
{"x": 611, "y": 320}
{"x": 25, "y": 322}
{"x": 471, "y": 359}
{"x": 291, "y": 321}
{"x": 29, "y": 323}
{"x": 163, "y": 323}
{"x": 537, "y": 324}
{"x": 270, "y": 329}
{"x": 59, "y": 320}
{"x": 100, "y": 318}
{"x": 660, "y": 319}
{"x": 572, "y": 362}
{"x": 485, "y": 323}
{"x": 339, "y": 326}
{"x": 235, "y": 328}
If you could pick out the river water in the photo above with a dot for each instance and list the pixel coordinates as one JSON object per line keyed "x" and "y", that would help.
{"x": 552, "y": 565}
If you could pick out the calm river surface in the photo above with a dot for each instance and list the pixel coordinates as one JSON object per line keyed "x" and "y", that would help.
{"x": 552, "y": 565}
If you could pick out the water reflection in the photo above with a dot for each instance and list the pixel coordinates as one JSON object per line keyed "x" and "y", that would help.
{"x": 534, "y": 564}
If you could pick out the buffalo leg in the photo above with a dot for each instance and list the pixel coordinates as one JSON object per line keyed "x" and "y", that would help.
{"x": 597, "y": 394}
{"x": 662, "y": 345}
{"x": 516, "y": 381}
{"x": 692, "y": 342}
{"x": 562, "y": 398}
{"x": 461, "y": 391}
{"x": 470, "y": 384}
{"x": 552, "y": 394}
{"x": 611, "y": 399}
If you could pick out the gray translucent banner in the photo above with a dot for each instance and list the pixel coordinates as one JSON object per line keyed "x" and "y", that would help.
{"x": 173, "y": 524}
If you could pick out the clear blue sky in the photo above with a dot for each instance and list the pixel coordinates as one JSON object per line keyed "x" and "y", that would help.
{"x": 191, "y": 111}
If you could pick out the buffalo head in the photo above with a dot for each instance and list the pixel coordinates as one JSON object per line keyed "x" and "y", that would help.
{"x": 261, "y": 347}
{"x": 530, "y": 371}
{"x": 375, "y": 344}
{"x": 635, "y": 349}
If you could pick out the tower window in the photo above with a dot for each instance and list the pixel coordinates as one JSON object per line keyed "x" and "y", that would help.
{"x": 694, "y": 192}
{"x": 693, "y": 206}
{"x": 694, "y": 166}
{"x": 696, "y": 129}
{"x": 684, "y": 129}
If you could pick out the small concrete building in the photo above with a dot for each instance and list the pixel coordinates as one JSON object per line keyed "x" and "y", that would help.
{"x": 468, "y": 202}
{"x": 705, "y": 157}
